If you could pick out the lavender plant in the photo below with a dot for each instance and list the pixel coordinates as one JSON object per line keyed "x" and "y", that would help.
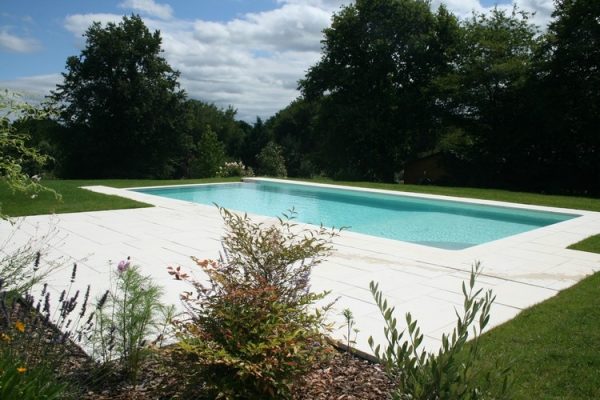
{"x": 39, "y": 339}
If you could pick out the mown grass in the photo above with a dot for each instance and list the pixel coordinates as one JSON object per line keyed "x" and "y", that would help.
{"x": 553, "y": 347}
{"x": 574, "y": 202}
{"x": 591, "y": 244}
{"x": 74, "y": 199}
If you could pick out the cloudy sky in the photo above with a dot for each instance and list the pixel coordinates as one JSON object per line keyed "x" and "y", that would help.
{"x": 245, "y": 53}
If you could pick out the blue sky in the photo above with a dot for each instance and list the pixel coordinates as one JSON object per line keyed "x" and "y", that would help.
{"x": 244, "y": 53}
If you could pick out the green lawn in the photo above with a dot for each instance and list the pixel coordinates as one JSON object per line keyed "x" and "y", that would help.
{"x": 579, "y": 203}
{"x": 74, "y": 199}
{"x": 554, "y": 346}
{"x": 591, "y": 244}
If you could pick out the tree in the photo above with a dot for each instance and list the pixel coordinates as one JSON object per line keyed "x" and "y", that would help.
{"x": 196, "y": 119}
{"x": 271, "y": 161}
{"x": 293, "y": 128}
{"x": 570, "y": 93}
{"x": 199, "y": 115}
{"x": 373, "y": 82}
{"x": 209, "y": 155}
{"x": 255, "y": 140}
{"x": 486, "y": 96}
{"x": 120, "y": 101}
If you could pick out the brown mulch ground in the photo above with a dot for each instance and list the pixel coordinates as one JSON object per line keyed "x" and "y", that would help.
{"x": 346, "y": 377}
{"x": 343, "y": 377}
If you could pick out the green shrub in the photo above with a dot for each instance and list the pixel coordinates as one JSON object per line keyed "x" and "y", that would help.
{"x": 125, "y": 318}
{"x": 234, "y": 168}
{"x": 449, "y": 374}
{"x": 271, "y": 161}
{"x": 15, "y": 154}
{"x": 253, "y": 328}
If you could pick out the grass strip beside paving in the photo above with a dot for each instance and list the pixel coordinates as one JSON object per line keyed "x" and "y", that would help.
{"x": 75, "y": 199}
{"x": 553, "y": 347}
{"x": 591, "y": 244}
{"x": 572, "y": 202}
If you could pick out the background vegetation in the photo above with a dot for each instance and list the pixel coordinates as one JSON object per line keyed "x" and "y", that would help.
{"x": 499, "y": 101}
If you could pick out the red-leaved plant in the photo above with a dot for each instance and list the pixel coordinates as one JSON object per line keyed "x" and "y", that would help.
{"x": 253, "y": 327}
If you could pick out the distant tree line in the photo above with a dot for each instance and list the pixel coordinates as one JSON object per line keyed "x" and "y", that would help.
{"x": 120, "y": 113}
{"x": 502, "y": 103}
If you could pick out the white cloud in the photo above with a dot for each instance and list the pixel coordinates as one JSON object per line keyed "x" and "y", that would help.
{"x": 149, "y": 7}
{"x": 33, "y": 88}
{"x": 542, "y": 9}
{"x": 16, "y": 43}
{"x": 79, "y": 23}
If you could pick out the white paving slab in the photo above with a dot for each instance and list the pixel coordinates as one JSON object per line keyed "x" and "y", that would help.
{"x": 522, "y": 270}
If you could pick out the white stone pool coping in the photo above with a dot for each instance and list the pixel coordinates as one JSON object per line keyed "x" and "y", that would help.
{"x": 522, "y": 270}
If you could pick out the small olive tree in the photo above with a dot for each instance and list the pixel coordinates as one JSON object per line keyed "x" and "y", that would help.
{"x": 450, "y": 373}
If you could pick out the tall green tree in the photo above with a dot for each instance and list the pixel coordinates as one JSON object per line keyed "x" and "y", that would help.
{"x": 222, "y": 121}
{"x": 293, "y": 128}
{"x": 120, "y": 101}
{"x": 196, "y": 119}
{"x": 255, "y": 140}
{"x": 373, "y": 82}
{"x": 570, "y": 93}
{"x": 486, "y": 96}
{"x": 209, "y": 155}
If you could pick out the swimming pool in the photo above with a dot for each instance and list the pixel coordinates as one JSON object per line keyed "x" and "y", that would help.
{"x": 438, "y": 223}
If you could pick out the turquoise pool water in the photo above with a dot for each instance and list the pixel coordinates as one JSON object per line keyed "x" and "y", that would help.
{"x": 430, "y": 222}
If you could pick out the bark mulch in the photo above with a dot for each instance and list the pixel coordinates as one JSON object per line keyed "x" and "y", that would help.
{"x": 343, "y": 377}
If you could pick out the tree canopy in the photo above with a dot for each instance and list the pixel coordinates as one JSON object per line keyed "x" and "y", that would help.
{"x": 379, "y": 60}
{"x": 120, "y": 101}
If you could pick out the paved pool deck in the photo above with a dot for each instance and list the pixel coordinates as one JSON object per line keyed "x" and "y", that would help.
{"x": 522, "y": 270}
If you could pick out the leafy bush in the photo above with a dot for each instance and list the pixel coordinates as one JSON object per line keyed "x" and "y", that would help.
{"x": 271, "y": 161}
{"x": 449, "y": 374}
{"x": 234, "y": 168}
{"x": 13, "y": 145}
{"x": 252, "y": 329}
{"x": 126, "y": 316}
